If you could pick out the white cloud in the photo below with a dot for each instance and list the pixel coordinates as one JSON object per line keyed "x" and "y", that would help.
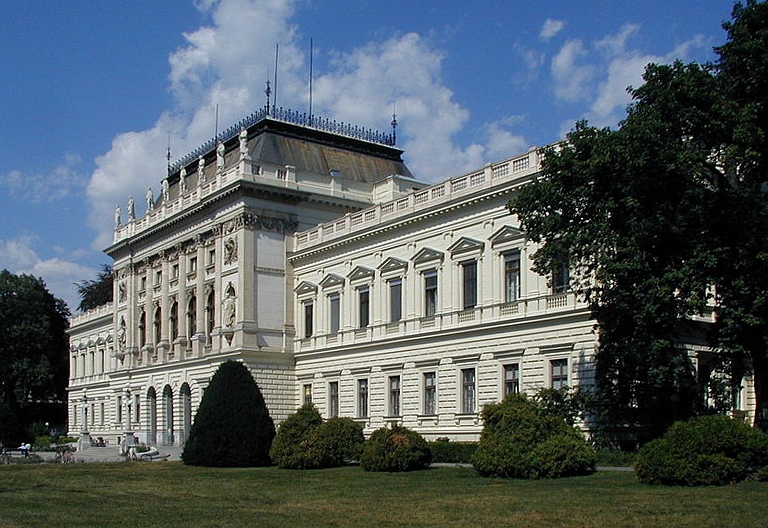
{"x": 60, "y": 273}
{"x": 551, "y": 28}
{"x": 227, "y": 63}
{"x": 573, "y": 81}
{"x": 600, "y": 74}
{"x": 61, "y": 182}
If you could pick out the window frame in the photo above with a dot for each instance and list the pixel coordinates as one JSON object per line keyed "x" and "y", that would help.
{"x": 468, "y": 390}
{"x": 512, "y": 294}
{"x": 394, "y": 386}
{"x": 429, "y": 393}
{"x": 363, "y": 397}
{"x": 430, "y": 291}
{"x": 333, "y": 399}
{"x": 469, "y": 284}
{"x": 506, "y": 381}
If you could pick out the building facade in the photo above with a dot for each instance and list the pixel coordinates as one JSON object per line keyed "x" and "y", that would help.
{"x": 307, "y": 250}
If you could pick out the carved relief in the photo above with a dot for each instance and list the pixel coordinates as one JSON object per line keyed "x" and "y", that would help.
{"x": 230, "y": 251}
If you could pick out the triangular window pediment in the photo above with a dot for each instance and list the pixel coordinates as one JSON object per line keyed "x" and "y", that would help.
{"x": 360, "y": 272}
{"x": 305, "y": 287}
{"x": 506, "y": 234}
{"x": 427, "y": 255}
{"x": 393, "y": 264}
{"x": 331, "y": 280}
{"x": 464, "y": 245}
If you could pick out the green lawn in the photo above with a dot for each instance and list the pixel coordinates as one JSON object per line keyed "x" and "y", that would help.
{"x": 170, "y": 494}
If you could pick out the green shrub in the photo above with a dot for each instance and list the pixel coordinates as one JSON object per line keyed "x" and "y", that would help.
{"x": 335, "y": 442}
{"x": 452, "y": 452}
{"x": 232, "y": 427}
{"x": 396, "y": 449}
{"x": 523, "y": 438}
{"x": 704, "y": 451}
{"x": 290, "y": 447}
{"x": 42, "y": 443}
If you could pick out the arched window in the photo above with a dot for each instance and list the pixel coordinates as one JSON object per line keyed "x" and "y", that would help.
{"x": 143, "y": 329}
{"x": 192, "y": 316}
{"x": 174, "y": 320}
{"x": 210, "y": 309}
{"x": 158, "y": 324}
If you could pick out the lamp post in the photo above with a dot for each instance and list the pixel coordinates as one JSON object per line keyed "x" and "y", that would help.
{"x": 85, "y": 436}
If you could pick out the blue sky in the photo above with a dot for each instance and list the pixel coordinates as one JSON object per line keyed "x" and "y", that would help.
{"x": 92, "y": 91}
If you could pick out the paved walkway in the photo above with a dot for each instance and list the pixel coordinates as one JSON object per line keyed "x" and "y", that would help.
{"x": 111, "y": 454}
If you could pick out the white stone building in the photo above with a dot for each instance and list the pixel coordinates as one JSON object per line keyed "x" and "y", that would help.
{"x": 312, "y": 255}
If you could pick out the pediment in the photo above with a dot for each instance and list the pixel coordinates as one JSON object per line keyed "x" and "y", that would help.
{"x": 331, "y": 280}
{"x": 305, "y": 287}
{"x": 427, "y": 255}
{"x": 506, "y": 234}
{"x": 393, "y": 264}
{"x": 360, "y": 272}
{"x": 464, "y": 245}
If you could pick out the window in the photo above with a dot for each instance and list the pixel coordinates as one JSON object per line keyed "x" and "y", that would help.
{"x": 333, "y": 399}
{"x": 394, "y": 395}
{"x": 469, "y": 282}
{"x": 174, "y": 320}
{"x": 308, "y": 318}
{"x": 308, "y": 393}
{"x": 158, "y": 277}
{"x": 364, "y": 299}
{"x": 511, "y": 379}
{"x": 362, "y": 398}
{"x": 395, "y": 300}
{"x": 192, "y": 264}
{"x": 561, "y": 278}
{"x": 211, "y": 257}
{"x": 430, "y": 293}
{"x": 559, "y": 373}
{"x": 211, "y": 310}
{"x": 175, "y": 271}
{"x": 120, "y": 409}
{"x": 468, "y": 390}
{"x": 430, "y": 393}
{"x": 512, "y": 276}
{"x": 335, "y": 309}
{"x": 143, "y": 283}
{"x": 142, "y": 329}
{"x": 192, "y": 316}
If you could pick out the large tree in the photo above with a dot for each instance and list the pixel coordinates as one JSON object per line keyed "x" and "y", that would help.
{"x": 652, "y": 214}
{"x": 33, "y": 344}
{"x": 94, "y": 293}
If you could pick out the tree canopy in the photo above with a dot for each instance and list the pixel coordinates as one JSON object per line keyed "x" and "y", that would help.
{"x": 661, "y": 216}
{"x": 34, "y": 346}
{"x": 96, "y": 292}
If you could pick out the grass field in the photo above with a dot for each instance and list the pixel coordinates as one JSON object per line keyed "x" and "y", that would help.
{"x": 170, "y": 494}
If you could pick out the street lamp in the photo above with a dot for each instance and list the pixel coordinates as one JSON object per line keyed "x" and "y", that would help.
{"x": 129, "y": 443}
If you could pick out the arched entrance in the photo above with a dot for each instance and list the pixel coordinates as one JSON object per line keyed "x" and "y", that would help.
{"x": 152, "y": 418}
{"x": 186, "y": 411}
{"x": 168, "y": 405}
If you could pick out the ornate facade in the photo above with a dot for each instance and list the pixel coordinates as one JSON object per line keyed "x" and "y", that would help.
{"x": 309, "y": 252}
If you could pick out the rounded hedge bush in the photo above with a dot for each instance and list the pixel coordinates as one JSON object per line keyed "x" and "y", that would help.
{"x": 336, "y": 442}
{"x": 289, "y": 449}
{"x": 703, "y": 451}
{"x": 522, "y": 438}
{"x": 232, "y": 426}
{"x": 395, "y": 449}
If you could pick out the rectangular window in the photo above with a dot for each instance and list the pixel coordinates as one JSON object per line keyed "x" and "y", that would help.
{"x": 364, "y": 299}
{"x": 308, "y": 318}
{"x": 559, "y": 373}
{"x": 430, "y": 293}
{"x": 430, "y": 393}
{"x": 333, "y": 399}
{"x": 158, "y": 277}
{"x": 175, "y": 271}
{"x": 192, "y": 264}
{"x": 561, "y": 278}
{"x": 469, "y": 281}
{"x": 512, "y": 276}
{"x": 362, "y": 398}
{"x": 511, "y": 379}
{"x": 143, "y": 283}
{"x": 119, "y": 409}
{"x": 334, "y": 302}
{"x": 211, "y": 257}
{"x": 394, "y": 395}
{"x": 136, "y": 408}
{"x": 468, "y": 390}
{"x": 395, "y": 300}
{"x": 308, "y": 393}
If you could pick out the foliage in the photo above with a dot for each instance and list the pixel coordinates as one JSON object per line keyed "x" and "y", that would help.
{"x": 232, "y": 426}
{"x": 304, "y": 441}
{"x": 704, "y": 451}
{"x": 289, "y": 449}
{"x": 395, "y": 449}
{"x": 523, "y": 438}
{"x": 336, "y": 441}
{"x": 96, "y": 292}
{"x": 651, "y": 214}
{"x": 34, "y": 348}
{"x": 452, "y": 452}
